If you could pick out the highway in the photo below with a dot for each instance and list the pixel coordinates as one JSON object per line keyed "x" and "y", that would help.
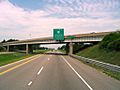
{"x": 54, "y": 72}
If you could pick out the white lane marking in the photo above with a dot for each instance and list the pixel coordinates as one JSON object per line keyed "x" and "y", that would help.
{"x": 30, "y": 83}
{"x": 77, "y": 74}
{"x": 40, "y": 71}
{"x": 48, "y": 59}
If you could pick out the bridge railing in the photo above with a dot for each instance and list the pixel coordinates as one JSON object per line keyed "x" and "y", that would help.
{"x": 40, "y": 41}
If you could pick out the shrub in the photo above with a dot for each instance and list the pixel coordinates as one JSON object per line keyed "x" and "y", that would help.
{"x": 111, "y": 41}
{"x": 2, "y": 49}
{"x": 115, "y": 45}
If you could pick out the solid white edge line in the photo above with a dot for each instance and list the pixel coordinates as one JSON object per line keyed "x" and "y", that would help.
{"x": 78, "y": 74}
{"x": 40, "y": 71}
{"x": 29, "y": 83}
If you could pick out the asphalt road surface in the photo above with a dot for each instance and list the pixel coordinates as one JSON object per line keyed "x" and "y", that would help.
{"x": 54, "y": 72}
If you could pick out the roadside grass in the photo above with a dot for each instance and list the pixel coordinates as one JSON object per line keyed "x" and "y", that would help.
{"x": 113, "y": 74}
{"x": 9, "y": 58}
{"x": 62, "y": 51}
{"x": 94, "y": 52}
{"x": 40, "y": 51}
{"x": 112, "y": 57}
{"x": 110, "y": 73}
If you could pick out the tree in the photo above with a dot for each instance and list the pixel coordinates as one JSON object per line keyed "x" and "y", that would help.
{"x": 115, "y": 45}
{"x": 2, "y": 48}
{"x": 3, "y": 41}
{"x": 111, "y": 41}
{"x": 11, "y": 40}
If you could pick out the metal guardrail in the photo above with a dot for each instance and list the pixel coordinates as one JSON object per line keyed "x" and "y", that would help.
{"x": 98, "y": 63}
{"x": 6, "y": 53}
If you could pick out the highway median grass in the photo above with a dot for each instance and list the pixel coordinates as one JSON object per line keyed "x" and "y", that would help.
{"x": 63, "y": 51}
{"x": 40, "y": 51}
{"x": 10, "y": 58}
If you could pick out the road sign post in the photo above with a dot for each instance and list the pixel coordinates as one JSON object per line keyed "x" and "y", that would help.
{"x": 58, "y": 34}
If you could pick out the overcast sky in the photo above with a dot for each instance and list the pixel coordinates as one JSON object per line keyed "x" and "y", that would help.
{"x": 24, "y": 19}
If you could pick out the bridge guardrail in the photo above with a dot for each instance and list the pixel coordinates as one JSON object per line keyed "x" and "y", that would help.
{"x": 98, "y": 63}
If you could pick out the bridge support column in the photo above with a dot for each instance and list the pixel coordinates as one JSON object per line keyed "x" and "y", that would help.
{"x": 70, "y": 48}
{"x": 29, "y": 49}
{"x": 8, "y": 48}
{"x": 67, "y": 48}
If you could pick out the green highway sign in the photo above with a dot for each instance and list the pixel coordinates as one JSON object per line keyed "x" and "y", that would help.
{"x": 58, "y": 34}
{"x": 70, "y": 37}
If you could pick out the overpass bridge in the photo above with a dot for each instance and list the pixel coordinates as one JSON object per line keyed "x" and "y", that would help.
{"x": 81, "y": 38}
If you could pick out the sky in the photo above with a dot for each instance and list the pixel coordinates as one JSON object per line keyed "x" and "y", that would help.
{"x": 26, "y": 19}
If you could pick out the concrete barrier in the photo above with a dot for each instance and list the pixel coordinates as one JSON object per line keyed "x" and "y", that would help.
{"x": 98, "y": 63}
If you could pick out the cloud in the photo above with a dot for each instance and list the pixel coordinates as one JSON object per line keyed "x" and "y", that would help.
{"x": 17, "y": 22}
{"x": 83, "y": 8}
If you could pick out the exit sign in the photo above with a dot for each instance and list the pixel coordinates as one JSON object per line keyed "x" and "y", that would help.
{"x": 58, "y": 34}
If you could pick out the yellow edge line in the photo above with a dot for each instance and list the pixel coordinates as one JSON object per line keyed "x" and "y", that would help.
{"x": 10, "y": 69}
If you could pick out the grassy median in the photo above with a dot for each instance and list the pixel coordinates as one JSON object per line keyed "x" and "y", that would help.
{"x": 9, "y": 58}
{"x": 40, "y": 51}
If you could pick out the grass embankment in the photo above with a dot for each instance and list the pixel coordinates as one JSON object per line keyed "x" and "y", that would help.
{"x": 112, "y": 57}
{"x": 94, "y": 52}
{"x": 9, "y": 58}
{"x": 110, "y": 73}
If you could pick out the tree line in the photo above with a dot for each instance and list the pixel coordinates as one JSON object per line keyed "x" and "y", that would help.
{"x": 111, "y": 42}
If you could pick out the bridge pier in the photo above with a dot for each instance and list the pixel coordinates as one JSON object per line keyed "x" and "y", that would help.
{"x": 8, "y": 48}
{"x": 29, "y": 49}
{"x": 70, "y": 48}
